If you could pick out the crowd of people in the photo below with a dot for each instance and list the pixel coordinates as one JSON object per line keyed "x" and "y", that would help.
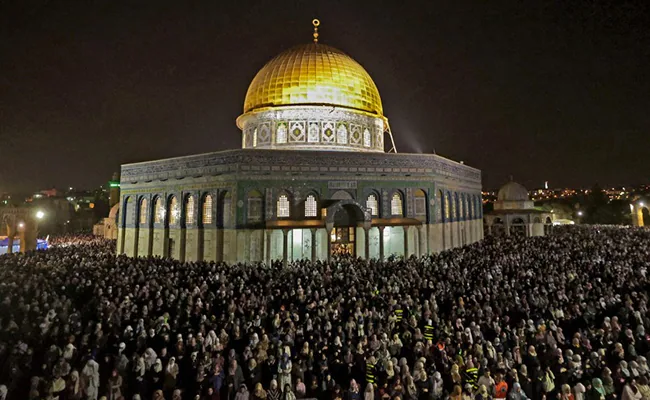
{"x": 73, "y": 239}
{"x": 556, "y": 317}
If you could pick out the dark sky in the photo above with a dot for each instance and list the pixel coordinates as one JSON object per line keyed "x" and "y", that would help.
{"x": 542, "y": 90}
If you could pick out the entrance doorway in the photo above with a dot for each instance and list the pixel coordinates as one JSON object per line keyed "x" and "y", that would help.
{"x": 342, "y": 241}
{"x": 518, "y": 227}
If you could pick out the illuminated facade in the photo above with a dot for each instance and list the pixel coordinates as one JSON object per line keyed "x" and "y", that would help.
{"x": 312, "y": 179}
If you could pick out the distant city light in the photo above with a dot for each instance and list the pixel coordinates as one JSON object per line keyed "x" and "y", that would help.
{"x": 40, "y": 214}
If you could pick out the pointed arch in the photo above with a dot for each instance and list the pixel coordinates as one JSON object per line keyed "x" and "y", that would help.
{"x": 420, "y": 203}
{"x": 224, "y": 209}
{"x": 206, "y": 210}
{"x": 283, "y": 205}
{"x": 397, "y": 204}
{"x": 143, "y": 212}
{"x": 173, "y": 216}
{"x": 158, "y": 210}
{"x": 311, "y": 205}
{"x": 189, "y": 210}
{"x": 254, "y": 206}
{"x": 372, "y": 203}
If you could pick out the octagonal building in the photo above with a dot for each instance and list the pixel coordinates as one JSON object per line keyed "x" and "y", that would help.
{"x": 311, "y": 180}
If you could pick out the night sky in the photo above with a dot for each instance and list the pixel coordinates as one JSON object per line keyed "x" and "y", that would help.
{"x": 542, "y": 90}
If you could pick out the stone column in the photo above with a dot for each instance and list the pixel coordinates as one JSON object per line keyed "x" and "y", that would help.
{"x": 328, "y": 231}
{"x": 313, "y": 244}
{"x": 218, "y": 243}
{"x": 637, "y": 216}
{"x": 422, "y": 232}
{"x": 381, "y": 242}
{"x": 329, "y": 244}
{"x": 406, "y": 241}
{"x": 11, "y": 231}
{"x": 366, "y": 250}
{"x": 285, "y": 244}
{"x": 10, "y": 244}
{"x": 267, "y": 248}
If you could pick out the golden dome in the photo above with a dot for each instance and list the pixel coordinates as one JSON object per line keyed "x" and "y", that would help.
{"x": 313, "y": 74}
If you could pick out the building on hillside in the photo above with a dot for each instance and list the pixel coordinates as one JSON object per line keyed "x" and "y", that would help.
{"x": 515, "y": 214}
{"x": 312, "y": 179}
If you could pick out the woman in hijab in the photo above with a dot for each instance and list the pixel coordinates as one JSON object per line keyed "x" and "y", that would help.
{"x": 353, "y": 392}
{"x": 437, "y": 388}
{"x": 73, "y": 387}
{"x": 579, "y": 391}
{"x": 273, "y": 392}
{"x": 259, "y": 393}
{"x": 411, "y": 392}
{"x": 301, "y": 389}
{"x": 235, "y": 378}
{"x": 630, "y": 392}
{"x": 254, "y": 372}
{"x": 156, "y": 375}
{"x": 457, "y": 393}
{"x": 90, "y": 379}
{"x": 369, "y": 394}
{"x": 115, "y": 386}
{"x": 398, "y": 388}
{"x": 525, "y": 381}
{"x": 171, "y": 373}
{"x": 608, "y": 382}
{"x": 565, "y": 393}
{"x": 483, "y": 394}
{"x": 288, "y": 393}
{"x": 455, "y": 375}
{"x": 242, "y": 393}
{"x": 597, "y": 391}
{"x": 284, "y": 371}
{"x": 516, "y": 393}
{"x": 644, "y": 388}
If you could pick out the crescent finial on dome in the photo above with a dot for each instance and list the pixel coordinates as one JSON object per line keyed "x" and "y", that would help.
{"x": 316, "y": 23}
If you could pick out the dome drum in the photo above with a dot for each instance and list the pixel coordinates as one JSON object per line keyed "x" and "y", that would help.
{"x": 312, "y": 128}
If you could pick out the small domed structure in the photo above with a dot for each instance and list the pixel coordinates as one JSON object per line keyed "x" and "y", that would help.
{"x": 512, "y": 191}
{"x": 515, "y": 213}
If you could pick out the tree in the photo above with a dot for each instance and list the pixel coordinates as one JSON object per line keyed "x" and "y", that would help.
{"x": 599, "y": 210}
